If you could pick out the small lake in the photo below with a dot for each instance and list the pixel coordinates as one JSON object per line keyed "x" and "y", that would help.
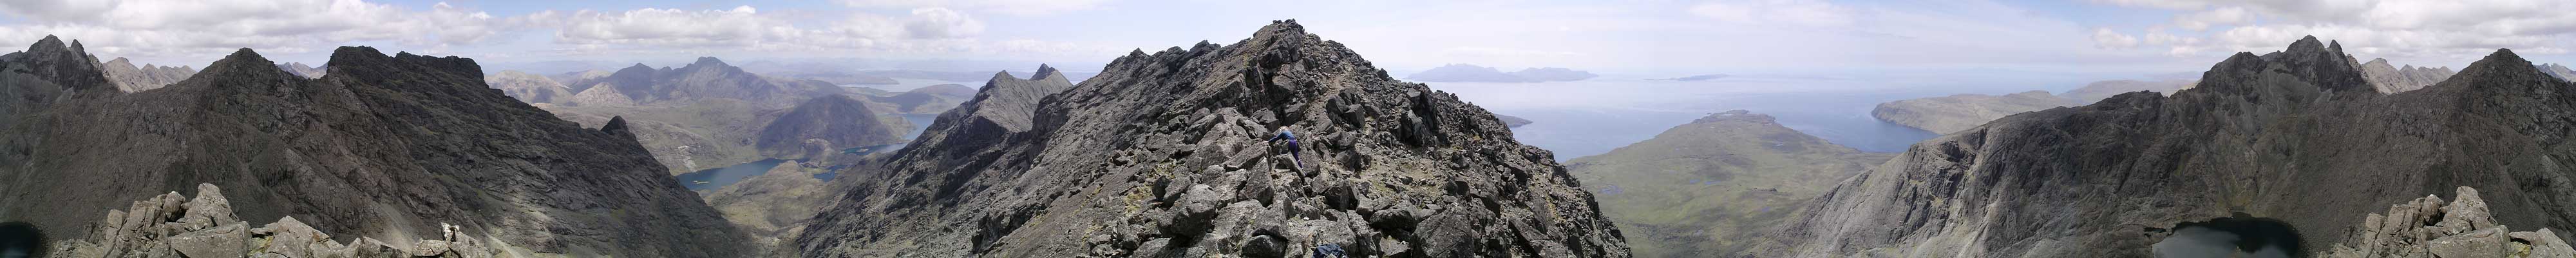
{"x": 710, "y": 179}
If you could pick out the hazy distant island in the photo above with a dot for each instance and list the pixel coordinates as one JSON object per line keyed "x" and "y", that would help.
{"x": 1473, "y": 73}
{"x": 1693, "y": 78}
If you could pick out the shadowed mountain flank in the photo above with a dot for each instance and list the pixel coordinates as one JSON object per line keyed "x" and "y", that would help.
{"x": 1167, "y": 155}
{"x": 383, "y": 147}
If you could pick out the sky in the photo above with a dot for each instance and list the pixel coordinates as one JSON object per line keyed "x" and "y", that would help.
{"x": 1643, "y": 38}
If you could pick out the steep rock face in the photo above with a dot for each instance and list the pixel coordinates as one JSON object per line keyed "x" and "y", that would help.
{"x": 2427, "y": 227}
{"x": 170, "y": 225}
{"x": 1710, "y": 187}
{"x": 837, "y": 121}
{"x": 1963, "y": 111}
{"x": 1164, "y": 155}
{"x": 528, "y": 87}
{"x": 2298, "y": 136}
{"x": 2390, "y": 79}
{"x": 129, "y": 78}
{"x": 299, "y": 69}
{"x": 384, "y": 148}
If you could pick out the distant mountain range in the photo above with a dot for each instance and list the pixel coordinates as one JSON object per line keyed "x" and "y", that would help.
{"x": 1473, "y": 73}
{"x": 132, "y": 79}
{"x": 1959, "y": 112}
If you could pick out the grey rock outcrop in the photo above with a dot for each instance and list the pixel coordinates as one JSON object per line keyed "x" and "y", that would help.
{"x": 2427, "y": 227}
{"x": 2298, "y": 136}
{"x": 171, "y": 225}
{"x": 2390, "y": 79}
{"x": 382, "y": 146}
{"x": 129, "y": 78}
{"x": 1165, "y": 155}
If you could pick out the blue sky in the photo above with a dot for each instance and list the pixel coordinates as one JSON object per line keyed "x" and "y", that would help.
{"x": 1637, "y": 38}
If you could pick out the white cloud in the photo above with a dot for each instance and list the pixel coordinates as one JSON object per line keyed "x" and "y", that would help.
{"x": 2221, "y": 16}
{"x": 2424, "y": 30}
{"x": 939, "y": 23}
{"x": 1011, "y": 7}
{"x": 2107, "y": 39}
{"x": 1800, "y": 12}
{"x": 213, "y": 27}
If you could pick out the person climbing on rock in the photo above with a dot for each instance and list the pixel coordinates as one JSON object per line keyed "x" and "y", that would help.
{"x": 1293, "y": 155}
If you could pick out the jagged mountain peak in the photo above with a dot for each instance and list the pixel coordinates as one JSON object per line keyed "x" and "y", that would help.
{"x": 1044, "y": 71}
{"x": 243, "y": 60}
{"x": 709, "y": 61}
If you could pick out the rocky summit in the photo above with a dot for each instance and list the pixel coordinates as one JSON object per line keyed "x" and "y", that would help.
{"x": 2392, "y": 79}
{"x": 1168, "y": 155}
{"x": 2426, "y": 227}
{"x": 384, "y": 147}
{"x": 825, "y": 125}
{"x": 2300, "y": 137}
{"x": 171, "y": 225}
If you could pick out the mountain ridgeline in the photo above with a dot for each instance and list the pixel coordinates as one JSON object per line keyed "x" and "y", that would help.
{"x": 2301, "y": 136}
{"x": 1167, "y": 155}
{"x": 383, "y": 147}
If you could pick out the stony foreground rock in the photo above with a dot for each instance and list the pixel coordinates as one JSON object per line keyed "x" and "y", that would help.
{"x": 2463, "y": 228}
{"x": 171, "y": 225}
{"x": 1167, "y": 155}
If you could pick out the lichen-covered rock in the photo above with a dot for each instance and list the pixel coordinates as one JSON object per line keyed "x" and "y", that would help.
{"x": 2427, "y": 227}
{"x": 1169, "y": 155}
{"x": 147, "y": 233}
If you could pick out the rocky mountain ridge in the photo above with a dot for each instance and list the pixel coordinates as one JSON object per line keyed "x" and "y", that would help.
{"x": 129, "y": 78}
{"x": 2389, "y": 79}
{"x": 2300, "y": 136}
{"x": 1165, "y": 155}
{"x": 383, "y": 147}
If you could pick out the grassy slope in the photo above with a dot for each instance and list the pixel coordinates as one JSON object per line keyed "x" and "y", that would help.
{"x": 1701, "y": 189}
